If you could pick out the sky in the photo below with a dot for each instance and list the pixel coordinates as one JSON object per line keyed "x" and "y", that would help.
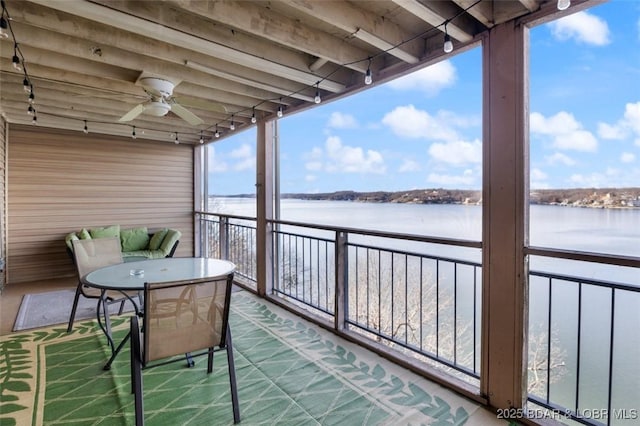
{"x": 424, "y": 130}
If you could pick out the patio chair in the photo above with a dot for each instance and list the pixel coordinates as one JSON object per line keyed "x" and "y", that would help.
{"x": 90, "y": 255}
{"x": 182, "y": 317}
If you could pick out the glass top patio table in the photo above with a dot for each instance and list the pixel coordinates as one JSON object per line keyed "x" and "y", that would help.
{"x": 131, "y": 276}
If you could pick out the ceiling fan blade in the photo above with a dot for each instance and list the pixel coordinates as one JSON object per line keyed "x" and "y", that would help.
{"x": 185, "y": 114}
{"x": 135, "y": 111}
{"x": 200, "y": 104}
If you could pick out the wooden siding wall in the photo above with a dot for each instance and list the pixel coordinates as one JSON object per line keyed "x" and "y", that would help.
{"x": 3, "y": 192}
{"x": 60, "y": 181}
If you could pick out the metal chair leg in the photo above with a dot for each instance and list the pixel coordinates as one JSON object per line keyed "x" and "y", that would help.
{"x": 232, "y": 379}
{"x": 72, "y": 317}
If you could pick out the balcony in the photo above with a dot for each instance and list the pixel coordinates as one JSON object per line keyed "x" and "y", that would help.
{"x": 419, "y": 310}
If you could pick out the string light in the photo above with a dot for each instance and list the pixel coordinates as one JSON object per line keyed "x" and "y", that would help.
{"x": 253, "y": 115}
{"x": 564, "y": 4}
{"x": 3, "y": 27}
{"x": 448, "y": 44}
{"x": 317, "y": 99}
{"x": 177, "y": 141}
{"x": 86, "y": 129}
{"x": 31, "y": 110}
{"x": 133, "y": 132}
{"x": 217, "y": 133}
{"x": 34, "y": 120}
{"x": 32, "y": 97}
{"x": 15, "y": 61}
{"x": 26, "y": 85}
{"x": 232, "y": 126}
{"x": 280, "y": 112}
{"x": 201, "y": 137}
{"x": 367, "y": 77}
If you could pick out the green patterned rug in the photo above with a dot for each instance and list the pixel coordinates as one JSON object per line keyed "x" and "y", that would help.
{"x": 289, "y": 373}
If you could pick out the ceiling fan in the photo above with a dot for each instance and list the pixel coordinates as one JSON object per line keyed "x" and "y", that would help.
{"x": 160, "y": 102}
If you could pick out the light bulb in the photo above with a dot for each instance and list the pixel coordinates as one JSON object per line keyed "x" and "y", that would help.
{"x": 30, "y": 110}
{"x": 32, "y": 97}
{"x": 448, "y": 45}
{"x": 26, "y": 85}
{"x": 16, "y": 63}
{"x": 177, "y": 141}
{"x": 34, "y": 120}
{"x": 253, "y": 116}
{"x": 3, "y": 28}
{"x": 317, "y": 99}
{"x": 86, "y": 129}
{"x": 133, "y": 132}
{"x": 201, "y": 138}
{"x": 279, "y": 113}
{"x": 367, "y": 77}
{"x": 564, "y": 4}
{"x": 217, "y": 134}
{"x": 232, "y": 126}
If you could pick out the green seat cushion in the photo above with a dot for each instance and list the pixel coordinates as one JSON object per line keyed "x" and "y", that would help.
{"x": 156, "y": 239}
{"x": 70, "y": 238}
{"x": 107, "y": 231}
{"x": 84, "y": 234}
{"x": 134, "y": 239}
{"x": 149, "y": 254}
{"x": 169, "y": 240}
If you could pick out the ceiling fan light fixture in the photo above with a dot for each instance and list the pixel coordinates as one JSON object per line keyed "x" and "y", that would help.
{"x": 157, "y": 108}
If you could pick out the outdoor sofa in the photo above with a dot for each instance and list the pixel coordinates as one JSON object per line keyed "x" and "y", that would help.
{"x": 136, "y": 243}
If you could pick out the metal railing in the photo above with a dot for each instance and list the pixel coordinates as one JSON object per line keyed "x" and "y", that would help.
{"x": 398, "y": 293}
{"x": 583, "y": 346}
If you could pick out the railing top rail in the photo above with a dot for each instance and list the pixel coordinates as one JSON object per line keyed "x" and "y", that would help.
{"x": 373, "y": 233}
{"x": 597, "y": 283}
{"x": 609, "y": 259}
{"x": 230, "y": 216}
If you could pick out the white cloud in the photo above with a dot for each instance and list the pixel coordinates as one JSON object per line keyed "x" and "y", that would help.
{"x": 565, "y": 131}
{"x": 409, "y": 166}
{"x": 430, "y": 80}
{"x": 457, "y": 153}
{"x": 310, "y": 178}
{"x": 627, "y": 157}
{"x": 339, "y": 158}
{"x": 537, "y": 174}
{"x": 338, "y": 120}
{"x": 583, "y": 27}
{"x": 560, "y": 158}
{"x": 216, "y": 163}
{"x": 243, "y": 151}
{"x": 409, "y": 122}
{"x": 467, "y": 178}
{"x": 626, "y": 127}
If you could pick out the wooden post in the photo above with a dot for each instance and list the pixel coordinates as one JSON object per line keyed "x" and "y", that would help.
{"x": 505, "y": 216}
{"x": 264, "y": 199}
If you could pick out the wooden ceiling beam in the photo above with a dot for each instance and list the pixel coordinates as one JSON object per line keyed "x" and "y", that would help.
{"x": 435, "y": 19}
{"x": 156, "y": 31}
{"x": 264, "y": 23}
{"x": 373, "y": 29}
{"x": 104, "y": 38}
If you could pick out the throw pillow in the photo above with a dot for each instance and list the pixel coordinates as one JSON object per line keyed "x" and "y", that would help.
{"x": 107, "y": 231}
{"x": 134, "y": 239}
{"x": 157, "y": 238}
{"x": 84, "y": 234}
{"x": 169, "y": 240}
{"x": 69, "y": 239}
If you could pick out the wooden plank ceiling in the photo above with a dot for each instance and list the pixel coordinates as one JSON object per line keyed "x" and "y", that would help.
{"x": 226, "y": 59}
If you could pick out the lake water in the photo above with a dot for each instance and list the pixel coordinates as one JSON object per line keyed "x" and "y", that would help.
{"x": 606, "y": 231}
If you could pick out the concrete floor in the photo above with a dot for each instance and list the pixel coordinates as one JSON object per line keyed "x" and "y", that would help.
{"x": 11, "y": 297}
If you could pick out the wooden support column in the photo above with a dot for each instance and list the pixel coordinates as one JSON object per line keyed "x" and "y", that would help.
{"x": 264, "y": 204}
{"x": 505, "y": 188}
